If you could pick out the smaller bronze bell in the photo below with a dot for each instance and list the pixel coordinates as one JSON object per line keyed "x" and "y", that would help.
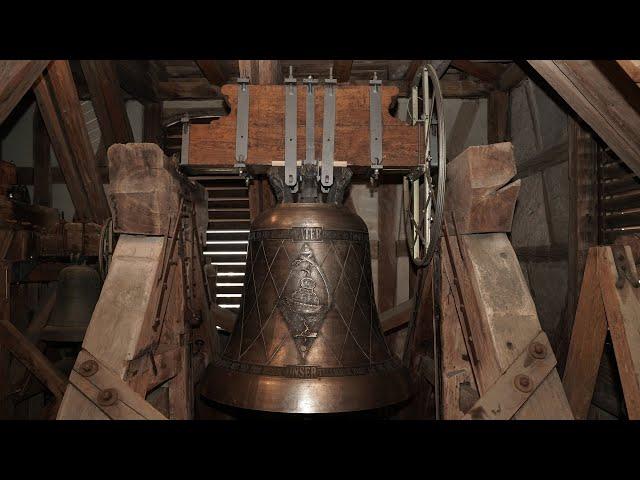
{"x": 77, "y": 293}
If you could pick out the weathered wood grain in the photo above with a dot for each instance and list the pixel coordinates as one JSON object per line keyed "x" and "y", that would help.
{"x": 214, "y": 144}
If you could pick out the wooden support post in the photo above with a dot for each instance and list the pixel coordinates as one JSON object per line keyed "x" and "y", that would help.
{"x": 388, "y": 212}
{"x": 152, "y": 123}
{"x": 342, "y": 70}
{"x": 609, "y": 298}
{"x": 106, "y": 96}
{"x": 60, "y": 107}
{"x": 16, "y": 77}
{"x": 212, "y": 71}
{"x": 583, "y": 223}
{"x": 496, "y": 313}
{"x": 160, "y": 261}
{"x": 498, "y": 117}
{"x": 42, "y": 178}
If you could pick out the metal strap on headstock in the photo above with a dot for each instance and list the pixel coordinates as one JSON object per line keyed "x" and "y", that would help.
{"x": 328, "y": 131}
{"x": 242, "y": 124}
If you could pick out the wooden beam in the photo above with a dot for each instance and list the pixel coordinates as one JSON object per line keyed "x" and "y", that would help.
{"x": 212, "y": 71}
{"x": 269, "y": 72}
{"x": 483, "y": 71}
{"x": 138, "y": 78}
{"x": 479, "y": 189}
{"x": 152, "y": 123}
{"x": 41, "y": 162}
{"x": 58, "y": 102}
{"x": 549, "y": 157}
{"x": 583, "y": 223}
{"x": 498, "y": 117}
{"x": 214, "y": 143}
{"x": 16, "y": 77}
{"x": 106, "y": 97}
{"x": 441, "y": 66}
{"x": 587, "y": 336}
{"x": 511, "y": 77}
{"x": 631, "y": 68}
{"x": 611, "y": 111}
{"x": 342, "y": 70}
{"x": 249, "y": 69}
{"x": 32, "y": 358}
{"x": 388, "y": 212}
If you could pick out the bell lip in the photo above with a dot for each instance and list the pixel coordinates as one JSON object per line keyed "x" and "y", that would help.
{"x": 327, "y": 394}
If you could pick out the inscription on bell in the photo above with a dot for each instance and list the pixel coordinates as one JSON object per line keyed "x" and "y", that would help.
{"x": 302, "y": 371}
{"x": 306, "y": 234}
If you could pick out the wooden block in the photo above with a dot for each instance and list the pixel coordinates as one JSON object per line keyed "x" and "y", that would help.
{"x": 478, "y": 190}
{"x": 124, "y": 301}
{"x": 214, "y": 144}
{"x": 145, "y": 189}
{"x": 508, "y": 321}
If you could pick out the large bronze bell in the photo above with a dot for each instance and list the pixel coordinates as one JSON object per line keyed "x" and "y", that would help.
{"x": 308, "y": 338}
{"x": 77, "y": 293}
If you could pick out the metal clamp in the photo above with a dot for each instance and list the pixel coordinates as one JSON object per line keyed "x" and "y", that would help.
{"x": 291, "y": 132}
{"x": 375, "y": 123}
{"x": 242, "y": 124}
{"x": 310, "y": 122}
{"x": 184, "y": 147}
{"x": 328, "y": 131}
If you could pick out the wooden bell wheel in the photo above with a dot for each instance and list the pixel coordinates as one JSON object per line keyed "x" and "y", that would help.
{"x": 424, "y": 187}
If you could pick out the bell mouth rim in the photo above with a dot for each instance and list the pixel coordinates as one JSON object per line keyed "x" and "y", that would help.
{"x": 306, "y": 396}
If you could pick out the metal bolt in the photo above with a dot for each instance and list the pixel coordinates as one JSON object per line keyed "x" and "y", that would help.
{"x": 107, "y": 397}
{"x": 88, "y": 368}
{"x": 523, "y": 383}
{"x": 538, "y": 350}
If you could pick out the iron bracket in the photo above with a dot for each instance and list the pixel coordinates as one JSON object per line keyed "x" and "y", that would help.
{"x": 328, "y": 131}
{"x": 291, "y": 132}
{"x": 375, "y": 124}
{"x": 310, "y": 122}
{"x": 242, "y": 125}
{"x": 184, "y": 147}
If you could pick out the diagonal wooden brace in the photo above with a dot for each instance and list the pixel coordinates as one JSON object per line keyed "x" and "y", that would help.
{"x": 109, "y": 393}
{"x": 516, "y": 385}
